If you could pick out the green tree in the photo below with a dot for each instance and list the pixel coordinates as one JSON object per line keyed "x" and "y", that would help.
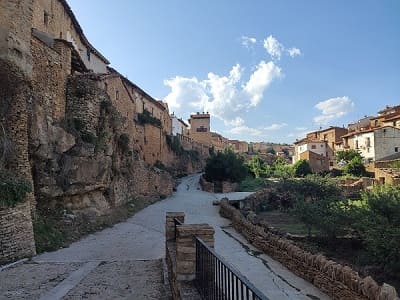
{"x": 302, "y": 168}
{"x": 347, "y": 155}
{"x": 355, "y": 167}
{"x": 224, "y": 166}
{"x": 257, "y": 166}
{"x": 378, "y": 222}
{"x": 281, "y": 169}
{"x": 271, "y": 151}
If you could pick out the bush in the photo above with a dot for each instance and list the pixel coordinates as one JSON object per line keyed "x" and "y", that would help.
{"x": 146, "y": 118}
{"x": 302, "y": 168}
{"x": 355, "y": 167}
{"x": 225, "y": 166}
{"x": 13, "y": 189}
{"x": 378, "y": 222}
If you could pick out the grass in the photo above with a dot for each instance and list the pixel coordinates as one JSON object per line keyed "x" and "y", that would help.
{"x": 52, "y": 232}
{"x": 250, "y": 184}
{"x": 285, "y": 223}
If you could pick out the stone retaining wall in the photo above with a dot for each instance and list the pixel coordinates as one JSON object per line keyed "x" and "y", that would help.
{"x": 336, "y": 280}
{"x": 226, "y": 186}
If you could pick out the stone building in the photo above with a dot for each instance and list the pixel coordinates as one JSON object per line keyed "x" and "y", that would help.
{"x": 239, "y": 146}
{"x": 179, "y": 126}
{"x": 219, "y": 142}
{"x": 200, "y": 128}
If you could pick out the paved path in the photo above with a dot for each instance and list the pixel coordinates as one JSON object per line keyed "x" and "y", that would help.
{"x": 123, "y": 262}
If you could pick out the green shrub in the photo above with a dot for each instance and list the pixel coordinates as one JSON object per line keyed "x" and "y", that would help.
{"x": 355, "y": 167}
{"x": 225, "y": 166}
{"x": 47, "y": 235}
{"x": 251, "y": 184}
{"x": 146, "y": 118}
{"x": 13, "y": 189}
{"x": 302, "y": 168}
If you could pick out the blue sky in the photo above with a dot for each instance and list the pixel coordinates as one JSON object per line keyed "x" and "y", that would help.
{"x": 265, "y": 70}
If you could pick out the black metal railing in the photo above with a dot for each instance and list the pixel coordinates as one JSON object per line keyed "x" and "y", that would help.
{"x": 216, "y": 279}
{"x": 176, "y": 223}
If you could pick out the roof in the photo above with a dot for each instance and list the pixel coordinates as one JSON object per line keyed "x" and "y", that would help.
{"x": 79, "y": 30}
{"x": 306, "y": 141}
{"x": 183, "y": 122}
{"x": 390, "y": 157}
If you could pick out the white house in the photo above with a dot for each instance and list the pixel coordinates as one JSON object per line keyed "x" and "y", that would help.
{"x": 318, "y": 147}
{"x": 178, "y": 125}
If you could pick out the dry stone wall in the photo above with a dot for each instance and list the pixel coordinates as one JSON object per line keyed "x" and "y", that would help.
{"x": 336, "y": 280}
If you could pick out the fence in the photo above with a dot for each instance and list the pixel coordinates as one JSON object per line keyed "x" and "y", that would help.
{"x": 216, "y": 279}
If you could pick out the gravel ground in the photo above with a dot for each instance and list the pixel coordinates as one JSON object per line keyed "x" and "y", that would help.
{"x": 31, "y": 280}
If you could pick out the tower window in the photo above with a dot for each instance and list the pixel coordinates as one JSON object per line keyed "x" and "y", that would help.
{"x": 45, "y": 18}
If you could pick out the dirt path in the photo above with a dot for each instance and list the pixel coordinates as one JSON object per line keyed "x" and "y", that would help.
{"x": 125, "y": 260}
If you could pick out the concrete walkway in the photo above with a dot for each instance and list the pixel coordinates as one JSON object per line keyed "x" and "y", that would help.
{"x": 123, "y": 262}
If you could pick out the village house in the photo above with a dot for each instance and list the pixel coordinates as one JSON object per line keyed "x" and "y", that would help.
{"x": 179, "y": 126}
{"x": 55, "y": 20}
{"x": 239, "y": 146}
{"x": 314, "y": 151}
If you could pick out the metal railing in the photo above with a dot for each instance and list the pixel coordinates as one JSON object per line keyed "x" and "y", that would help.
{"x": 216, "y": 279}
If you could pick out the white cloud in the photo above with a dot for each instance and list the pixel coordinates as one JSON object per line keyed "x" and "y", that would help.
{"x": 301, "y": 128}
{"x": 273, "y": 47}
{"x": 294, "y": 52}
{"x": 332, "y": 109}
{"x": 248, "y": 42}
{"x": 275, "y": 126}
{"x": 245, "y": 130}
{"x": 223, "y": 96}
{"x": 260, "y": 80}
{"x": 189, "y": 89}
{"x": 277, "y": 49}
{"x": 238, "y": 121}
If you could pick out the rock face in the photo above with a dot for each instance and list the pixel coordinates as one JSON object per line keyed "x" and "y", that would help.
{"x": 79, "y": 162}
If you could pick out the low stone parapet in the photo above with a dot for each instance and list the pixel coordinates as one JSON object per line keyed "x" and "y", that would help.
{"x": 181, "y": 253}
{"x": 336, "y": 280}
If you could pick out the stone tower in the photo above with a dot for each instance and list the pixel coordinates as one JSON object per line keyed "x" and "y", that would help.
{"x": 200, "y": 128}
{"x": 16, "y": 233}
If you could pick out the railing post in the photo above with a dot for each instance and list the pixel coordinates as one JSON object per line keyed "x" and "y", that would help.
{"x": 186, "y": 247}
{"x": 170, "y": 224}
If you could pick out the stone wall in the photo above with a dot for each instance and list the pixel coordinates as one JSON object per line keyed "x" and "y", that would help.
{"x": 51, "y": 67}
{"x": 16, "y": 238}
{"x": 225, "y": 186}
{"x": 180, "y": 249}
{"x": 16, "y": 233}
{"x": 336, "y": 280}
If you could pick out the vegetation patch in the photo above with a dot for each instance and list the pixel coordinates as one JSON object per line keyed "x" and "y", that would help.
{"x": 146, "y": 118}
{"x": 13, "y": 189}
{"x": 225, "y": 166}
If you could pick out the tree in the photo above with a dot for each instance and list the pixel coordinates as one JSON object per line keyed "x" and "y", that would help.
{"x": 302, "y": 168}
{"x": 257, "y": 166}
{"x": 378, "y": 222}
{"x": 271, "y": 151}
{"x": 347, "y": 155}
{"x": 355, "y": 167}
{"x": 224, "y": 166}
{"x": 282, "y": 169}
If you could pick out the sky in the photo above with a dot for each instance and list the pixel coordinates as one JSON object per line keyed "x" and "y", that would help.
{"x": 266, "y": 70}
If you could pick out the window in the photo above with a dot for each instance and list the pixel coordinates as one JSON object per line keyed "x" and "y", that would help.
{"x": 201, "y": 129}
{"x": 117, "y": 95}
{"x": 106, "y": 86}
{"x": 368, "y": 142}
{"x": 88, "y": 54}
{"x": 45, "y": 18}
{"x": 313, "y": 147}
{"x": 356, "y": 144}
{"x": 396, "y": 149}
